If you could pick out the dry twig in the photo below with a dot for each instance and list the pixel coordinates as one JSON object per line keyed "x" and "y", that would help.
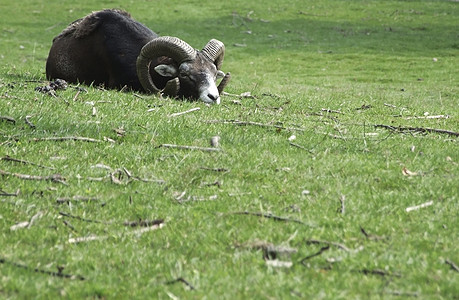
{"x": 411, "y": 208}
{"x": 452, "y": 264}
{"x": 417, "y": 129}
{"x": 378, "y": 272}
{"x": 5, "y": 194}
{"x": 322, "y": 250}
{"x": 68, "y": 138}
{"x": 76, "y": 199}
{"x": 37, "y": 270}
{"x": 143, "y": 223}
{"x": 8, "y": 119}
{"x": 184, "y": 112}
{"x": 54, "y": 178}
{"x": 9, "y": 158}
{"x": 27, "y": 121}
{"x": 245, "y": 123}
{"x": 268, "y": 216}
{"x": 189, "y": 147}
{"x": 181, "y": 279}
{"x": 341, "y": 246}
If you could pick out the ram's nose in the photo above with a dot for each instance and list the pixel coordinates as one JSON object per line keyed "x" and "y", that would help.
{"x": 214, "y": 97}
{"x": 210, "y": 94}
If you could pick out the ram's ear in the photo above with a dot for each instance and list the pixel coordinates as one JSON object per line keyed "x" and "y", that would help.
{"x": 167, "y": 70}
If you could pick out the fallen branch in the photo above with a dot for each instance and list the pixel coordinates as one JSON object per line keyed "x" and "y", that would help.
{"x": 268, "y": 216}
{"x": 76, "y": 199}
{"x": 83, "y": 219}
{"x": 8, "y": 119}
{"x": 9, "y": 158}
{"x": 27, "y": 121}
{"x": 411, "y": 208}
{"x": 416, "y": 129}
{"x": 400, "y": 293}
{"x": 5, "y": 194}
{"x": 103, "y": 237}
{"x": 181, "y": 279}
{"x": 143, "y": 223}
{"x": 68, "y": 138}
{"x": 378, "y": 272}
{"x": 428, "y": 117}
{"x": 371, "y": 236}
{"x": 331, "y": 111}
{"x": 54, "y": 178}
{"x": 188, "y": 147}
{"x": 270, "y": 251}
{"x": 342, "y": 208}
{"x": 322, "y": 250}
{"x": 452, "y": 264}
{"x": 37, "y": 270}
{"x": 245, "y": 123}
{"x": 341, "y": 246}
{"x": 301, "y": 147}
{"x": 184, "y": 112}
{"x": 215, "y": 169}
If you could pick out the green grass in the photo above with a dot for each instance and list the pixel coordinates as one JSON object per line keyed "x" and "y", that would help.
{"x": 298, "y": 58}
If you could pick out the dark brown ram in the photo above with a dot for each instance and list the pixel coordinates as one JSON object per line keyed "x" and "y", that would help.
{"x": 108, "y": 47}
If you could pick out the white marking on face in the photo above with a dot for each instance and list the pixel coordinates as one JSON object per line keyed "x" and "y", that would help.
{"x": 209, "y": 92}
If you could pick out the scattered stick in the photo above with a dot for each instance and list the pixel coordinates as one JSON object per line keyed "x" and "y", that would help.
{"x": 5, "y": 194}
{"x": 341, "y": 246}
{"x": 103, "y": 237}
{"x": 268, "y": 216}
{"x": 143, "y": 223}
{"x": 390, "y": 105}
{"x": 452, "y": 264}
{"x": 27, "y": 121}
{"x": 331, "y": 111}
{"x": 378, "y": 272}
{"x": 371, "y": 236}
{"x": 8, "y": 119}
{"x": 322, "y": 250}
{"x": 9, "y": 158}
{"x": 83, "y": 219}
{"x": 76, "y": 95}
{"x": 69, "y": 225}
{"x": 301, "y": 147}
{"x": 399, "y": 293}
{"x": 54, "y": 178}
{"x": 181, "y": 279}
{"x": 342, "y": 209}
{"x": 37, "y": 270}
{"x": 189, "y": 147}
{"x": 68, "y": 138}
{"x": 184, "y": 112}
{"x": 76, "y": 199}
{"x": 215, "y": 169}
{"x": 428, "y": 117}
{"x": 417, "y": 129}
{"x": 411, "y": 208}
{"x": 245, "y": 123}
{"x": 270, "y": 251}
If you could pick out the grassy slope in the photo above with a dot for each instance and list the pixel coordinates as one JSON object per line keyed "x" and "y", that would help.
{"x": 338, "y": 55}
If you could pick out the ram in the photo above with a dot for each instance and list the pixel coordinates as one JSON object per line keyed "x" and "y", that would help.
{"x": 109, "y": 47}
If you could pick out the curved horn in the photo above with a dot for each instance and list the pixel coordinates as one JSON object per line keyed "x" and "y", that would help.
{"x": 168, "y": 46}
{"x": 224, "y": 83}
{"x": 215, "y": 50}
{"x": 172, "y": 87}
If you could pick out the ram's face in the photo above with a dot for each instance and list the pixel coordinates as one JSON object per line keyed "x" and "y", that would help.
{"x": 198, "y": 80}
{"x": 194, "y": 73}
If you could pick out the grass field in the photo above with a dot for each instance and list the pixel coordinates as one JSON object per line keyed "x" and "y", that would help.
{"x": 337, "y": 176}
